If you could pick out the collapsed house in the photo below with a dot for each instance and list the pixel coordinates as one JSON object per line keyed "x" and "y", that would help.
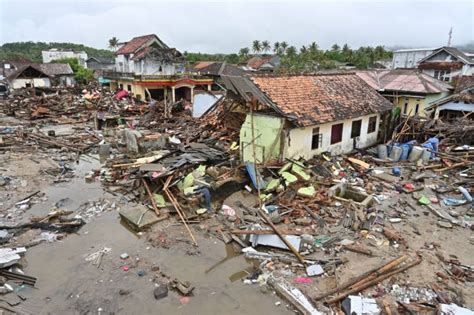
{"x": 459, "y": 104}
{"x": 29, "y": 76}
{"x": 408, "y": 89}
{"x": 301, "y": 116}
{"x": 148, "y": 68}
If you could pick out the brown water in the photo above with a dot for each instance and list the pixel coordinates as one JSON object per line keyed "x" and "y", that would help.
{"x": 67, "y": 284}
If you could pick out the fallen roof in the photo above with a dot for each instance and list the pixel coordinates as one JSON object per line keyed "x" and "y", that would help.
{"x": 464, "y": 82}
{"x": 403, "y": 80}
{"x": 317, "y": 99}
{"x": 12, "y": 76}
{"x": 136, "y": 43}
{"x": 53, "y": 69}
{"x": 102, "y": 60}
{"x": 168, "y": 54}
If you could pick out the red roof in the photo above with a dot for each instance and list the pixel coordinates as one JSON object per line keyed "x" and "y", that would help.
{"x": 257, "y": 62}
{"x": 316, "y": 99}
{"x": 135, "y": 44}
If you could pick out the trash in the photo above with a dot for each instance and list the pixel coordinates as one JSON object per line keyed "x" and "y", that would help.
{"x": 314, "y": 270}
{"x": 424, "y": 200}
{"x": 396, "y": 171}
{"x": 357, "y": 305}
{"x": 10, "y": 256}
{"x": 453, "y": 309}
{"x": 306, "y": 191}
{"x": 465, "y": 193}
{"x": 161, "y": 291}
{"x": 124, "y": 256}
{"x": 303, "y": 280}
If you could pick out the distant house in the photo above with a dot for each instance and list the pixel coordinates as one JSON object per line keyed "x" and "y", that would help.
{"x": 28, "y": 76}
{"x": 216, "y": 69}
{"x": 148, "y": 68}
{"x": 55, "y": 54}
{"x": 305, "y": 115}
{"x": 100, "y": 63}
{"x": 446, "y": 63}
{"x": 262, "y": 63}
{"x": 60, "y": 73}
{"x": 409, "y": 58}
{"x": 408, "y": 89}
{"x": 460, "y": 104}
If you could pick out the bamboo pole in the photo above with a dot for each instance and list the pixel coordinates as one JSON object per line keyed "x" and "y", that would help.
{"x": 150, "y": 195}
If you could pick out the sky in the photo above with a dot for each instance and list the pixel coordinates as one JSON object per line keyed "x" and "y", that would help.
{"x": 226, "y": 26}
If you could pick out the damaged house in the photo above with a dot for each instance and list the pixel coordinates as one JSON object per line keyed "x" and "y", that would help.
{"x": 28, "y": 76}
{"x": 458, "y": 105}
{"x": 408, "y": 89}
{"x": 148, "y": 68}
{"x": 304, "y": 115}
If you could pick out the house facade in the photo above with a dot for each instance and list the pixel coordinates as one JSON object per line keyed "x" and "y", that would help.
{"x": 28, "y": 76}
{"x": 148, "y": 68}
{"x": 447, "y": 63}
{"x": 302, "y": 116}
{"x": 408, "y": 89}
{"x": 60, "y": 74}
{"x": 99, "y": 63}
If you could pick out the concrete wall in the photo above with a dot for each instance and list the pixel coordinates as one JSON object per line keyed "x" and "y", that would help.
{"x": 51, "y": 55}
{"x": 409, "y": 59}
{"x": 423, "y": 102}
{"x": 298, "y": 141}
{"x": 36, "y": 82}
{"x": 149, "y": 66}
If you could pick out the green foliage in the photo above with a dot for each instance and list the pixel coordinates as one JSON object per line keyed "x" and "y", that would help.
{"x": 32, "y": 50}
{"x": 82, "y": 75}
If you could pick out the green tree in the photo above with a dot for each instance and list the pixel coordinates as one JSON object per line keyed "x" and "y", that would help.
{"x": 276, "y": 48}
{"x": 113, "y": 43}
{"x": 244, "y": 53}
{"x": 81, "y": 74}
{"x": 256, "y": 46}
{"x": 284, "y": 46}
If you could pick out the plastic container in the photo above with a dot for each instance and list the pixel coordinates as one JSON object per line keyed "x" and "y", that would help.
{"x": 405, "y": 151}
{"x": 415, "y": 154}
{"x": 465, "y": 193}
{"x": 382, "y": 151}
{"x": 425, "y": 156}
{"x": 396, "y": 153}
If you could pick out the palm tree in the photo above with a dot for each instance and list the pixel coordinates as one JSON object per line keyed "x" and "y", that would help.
{"x": 291, "y": 51}
{"x": 113, "y": 43}
{"x": 276, "y": 48}
{"x": 266, "y": 46}
{"x": 335, "y": 48}
{"x": 284, "y": 46}
{"x": 256, "y": 46}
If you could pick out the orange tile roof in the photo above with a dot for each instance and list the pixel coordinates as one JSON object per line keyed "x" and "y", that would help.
{"x": 316, "y": 99}
{"x": 134, "y": 44}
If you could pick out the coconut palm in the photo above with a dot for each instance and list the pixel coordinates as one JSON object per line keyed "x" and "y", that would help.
{"x": 266, "y": 46}
{"x": 276, "y": 47}
{"x": 283, "y": 46}
{"x": 256, "y": 46}
{"x": 113, "y": 43}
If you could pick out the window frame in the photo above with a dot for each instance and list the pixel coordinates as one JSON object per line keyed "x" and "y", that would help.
{"x": 332, "y": 132}
{"x": 352, "y": 128}
{"x": 370, "y": 123}
{"x": 319, "y": 135}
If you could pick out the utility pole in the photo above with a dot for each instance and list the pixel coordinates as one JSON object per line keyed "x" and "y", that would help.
{"x": 450, "y": 36}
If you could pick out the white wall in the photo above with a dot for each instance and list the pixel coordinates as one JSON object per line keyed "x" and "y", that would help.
{"x": 298, "y": 141}
{"x": 409, "y": 59}
{"x": 51, "y": 55}
{"x": 37, "y": 82}
{"x": 460, "y": 106}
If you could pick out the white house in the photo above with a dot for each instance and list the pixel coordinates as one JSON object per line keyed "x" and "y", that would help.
{"x": 305, "y": 115}
{"x": 409, "y": 58}
{"x": 148, "y": 55}
{"x": 29, "y": 76}
{"x": 55, "y": 54}
{"x": 447, "y": 63}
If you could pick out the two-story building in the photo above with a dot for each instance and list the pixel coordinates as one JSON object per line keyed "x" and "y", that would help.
{"x": 148, "y": 68}
{"x": 55, "y": 54}
{"x": 447, "y": 63}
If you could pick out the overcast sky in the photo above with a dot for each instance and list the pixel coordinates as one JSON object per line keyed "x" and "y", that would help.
{"x": 226, "y": 26}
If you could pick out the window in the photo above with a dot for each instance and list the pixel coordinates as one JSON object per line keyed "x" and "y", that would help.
{"x": 129, "y": 88}
{"x": 317, "y": 139}
{"x": 336, "y": 133}
{"x": 355, "y": 131}
{"x": 405, "y": 108}
{"x": 372, "y": 124}
{"x": 417, "y": 108}
{"x": 443, "y": 75}
{"x": 436, "y": 74}
{"x": 121, "y": 86}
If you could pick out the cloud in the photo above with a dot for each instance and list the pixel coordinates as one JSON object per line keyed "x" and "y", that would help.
{"x": 228, "y": 26}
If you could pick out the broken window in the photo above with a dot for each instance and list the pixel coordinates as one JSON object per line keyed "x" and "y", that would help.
{"x": 317, "y": 139}
{"x": 372, "y": 124}
{"x": 417, "y": 108}
{"x": 355, "y": 131}
{"x": 336, "y": 133}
